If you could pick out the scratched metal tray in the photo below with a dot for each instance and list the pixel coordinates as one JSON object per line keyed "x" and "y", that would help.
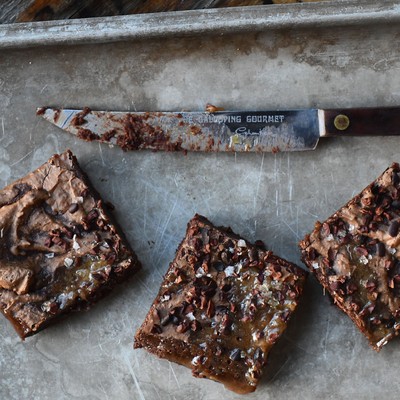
{"x": 346, "y": 57}
{"x": 199, "y": 22}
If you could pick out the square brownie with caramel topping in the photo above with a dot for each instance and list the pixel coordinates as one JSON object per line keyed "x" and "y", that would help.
{"x": 221, "y": 307}
{"x": 355, "y": 255}
{"x": 59, "y": 249}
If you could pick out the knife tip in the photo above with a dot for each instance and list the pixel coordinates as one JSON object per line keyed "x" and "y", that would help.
{"x": 41, "y": 110}
{"x": 49, "y": 113}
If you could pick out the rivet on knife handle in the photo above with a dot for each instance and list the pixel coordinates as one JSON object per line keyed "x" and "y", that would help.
{"x": 341, "y": 122}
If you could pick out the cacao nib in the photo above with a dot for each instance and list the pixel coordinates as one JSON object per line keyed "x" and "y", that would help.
{"x": 370, "y": 286}
{"x": 361, "y": 251}
{"x": 225, "y": 257}
{"x": 102, "y": 275}
{"x": 183, "y": 327}
{"x": 260, "y": 244}
{"x": 156, "y": 329}
{"x": 312, "y": 253}
{"x": 165, "y": 320}
{"x": 334, "y": 285}
{"x": 354, "y": 306}
{"x": 176, "y": 311}
{"x": 226, "y": 287}
{"x": 85, "y": 192}
{"x": 351, "y": 288}
{"x": 203, "y": 302}
{"x": 367, "y": 309}
{"x": 48, "y": 242}
{"x": 253, "y": 255}
{"x": 326, "y": 229}
{"x": 234, "y": 355}
{"x": 221, "y": 309}
{"x": 195, "y": 325}
{"x": 258, "y": 355}
{"x": 395, "y": 179}
{"x": 259, "y": 335}
{"x": 380, "y": 249}
{"x": 229, "y": 244}
{"x": 375, "y": 321}
{"x": 225, "y": 324}
{"x": 53, "y": 307}
{"x": 393, "y": 228}
{"x": 73, "y": 208}
{"x": 174, "y": 319}
{"x": 218, "y": 266}
{"x": 332, "y": 254}
{"x": 345, "y": 239}
{"x": 396, "y": 204}
{"x": 188, "y": 309}
{"x": 205, "y": 235}
{"x": 210, "y": 309}
{"x": 284, "y": 316}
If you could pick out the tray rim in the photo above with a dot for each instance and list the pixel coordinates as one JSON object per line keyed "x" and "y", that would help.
{"x": 198, "y": 22}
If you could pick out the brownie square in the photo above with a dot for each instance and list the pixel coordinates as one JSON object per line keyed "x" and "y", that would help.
{"x": 59, "y": 249}
{"x": 355, "y": 254}
{"x": 221, "y": 307}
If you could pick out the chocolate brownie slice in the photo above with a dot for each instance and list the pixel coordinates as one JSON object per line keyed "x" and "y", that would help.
{"x": 222, "y": 305}
{"x": 355, "y": 255}
{"x": 59, "y": 249}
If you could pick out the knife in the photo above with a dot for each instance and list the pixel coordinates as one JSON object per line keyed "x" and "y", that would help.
{"x": 236, "y": 131}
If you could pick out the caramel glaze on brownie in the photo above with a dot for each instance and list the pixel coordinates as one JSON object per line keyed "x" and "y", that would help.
{"x": 355, "y": 255}
{"x": 221, "y": 307}
{"x": 59, "y": 249}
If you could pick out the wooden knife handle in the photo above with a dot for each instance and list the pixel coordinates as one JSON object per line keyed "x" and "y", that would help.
{"x": 361, "y": 122}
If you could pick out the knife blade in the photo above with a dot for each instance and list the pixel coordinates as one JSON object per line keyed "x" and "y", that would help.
{"x": 235, "y": 131}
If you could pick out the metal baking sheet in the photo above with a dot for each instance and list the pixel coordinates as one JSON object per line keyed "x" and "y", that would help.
{"x": 273, "y": 197}
{"x": 200, "y": 22}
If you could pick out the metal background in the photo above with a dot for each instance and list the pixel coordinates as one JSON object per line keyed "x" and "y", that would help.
{"x": 273, "y": 197}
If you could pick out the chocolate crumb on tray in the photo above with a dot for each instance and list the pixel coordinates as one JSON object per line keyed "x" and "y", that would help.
{"x": 60, "y": 250}
{"x": 355, "y": 255}
{"x": 221, "y": 307}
